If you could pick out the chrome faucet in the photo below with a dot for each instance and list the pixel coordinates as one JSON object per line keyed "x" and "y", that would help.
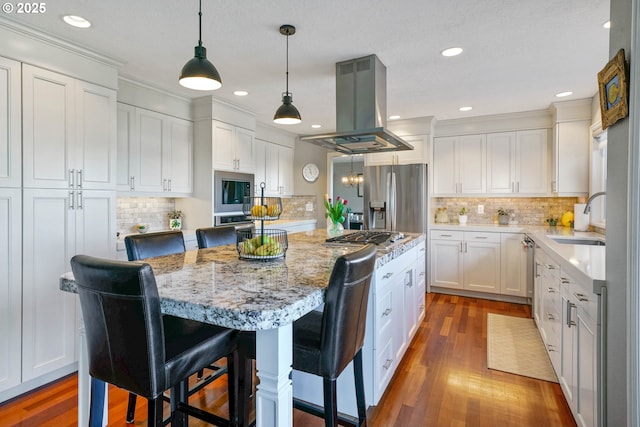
{"x": 587, "y": 208}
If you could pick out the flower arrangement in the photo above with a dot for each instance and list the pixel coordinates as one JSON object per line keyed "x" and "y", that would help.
{"x": 335, "y": 210}
{"x": 463, "y": 211}
{"x": 175, "y": 214}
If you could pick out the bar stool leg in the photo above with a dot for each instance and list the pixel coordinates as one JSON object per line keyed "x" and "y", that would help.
{"x": 154, "y": 413}
{"x": 359, "y": 378}
{"x": 330, "y": 403}
{"x": 131, "y": 408}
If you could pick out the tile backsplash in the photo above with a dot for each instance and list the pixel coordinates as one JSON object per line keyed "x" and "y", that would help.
{"x": 528, "y": 211}
{"x": 153, "y": 211}
{"x": 148, "y": 210}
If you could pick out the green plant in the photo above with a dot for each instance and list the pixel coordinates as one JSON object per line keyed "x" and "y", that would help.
{"x": 463, "y": 211}
{"x": 335, "y": 210}
{"x": 175, "y": 214}
{"x": 502, "y": 212}
{"x": 552, "y": 221}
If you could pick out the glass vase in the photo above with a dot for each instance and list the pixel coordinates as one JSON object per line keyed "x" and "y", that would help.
{"x": 335, "y": 229}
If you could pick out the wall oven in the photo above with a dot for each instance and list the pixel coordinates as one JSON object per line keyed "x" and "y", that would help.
{"x": 229, "y": 191}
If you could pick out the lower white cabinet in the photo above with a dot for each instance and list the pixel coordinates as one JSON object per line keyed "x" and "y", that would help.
{"x": 58, "y": 224}
{"x": 468, "y": 260}
{"x": 513, "y": 261}
{"x": 10, "y": 287}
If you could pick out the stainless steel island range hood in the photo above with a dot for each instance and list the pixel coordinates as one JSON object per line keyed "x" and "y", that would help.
{"x": 361, "y": 110}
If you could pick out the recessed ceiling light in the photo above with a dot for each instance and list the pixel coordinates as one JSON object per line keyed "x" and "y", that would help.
{"x": 394, "y": 117}
{"x": 465, "y": 108}
{"x": 452, "y": 51}
{"x": 316, "y": 126}
{"x": 607, "y": 25}
{"x": 241, "y": 93}
{"x": 563, "y": 94}
{"x": 76, "y": 21}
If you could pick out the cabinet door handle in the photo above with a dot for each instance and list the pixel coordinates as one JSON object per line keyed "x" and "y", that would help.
{"x": 386, "y": 276}
{"x": 537, "y": 265}
{"x": 72, "y": 178}
{"x": 513, "y": 187}
{"x": 71, "y": 200}
{"x": 80, "y": 178}
{"x": 80, "y": 200}
{"x": 518, "y": 187}
{"x": 570, "y": 307}
{"x": 461, "y": 247}
{"x": 581, "y": 297}
{"x": 466, "y": 247}
{"x": 169, "y": 184}
{"x": 387, "y": 364}
{"x": 386, "y": 312}
{"x": 133, "y": 183}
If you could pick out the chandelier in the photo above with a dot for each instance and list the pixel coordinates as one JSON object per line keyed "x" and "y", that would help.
{"x": 352, "y": 179}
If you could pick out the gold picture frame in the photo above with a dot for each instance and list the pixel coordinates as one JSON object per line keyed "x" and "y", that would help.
{"x": 612, "y": 86}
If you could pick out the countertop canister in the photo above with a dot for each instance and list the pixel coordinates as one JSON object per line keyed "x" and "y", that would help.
{"x": 580, "y": 219}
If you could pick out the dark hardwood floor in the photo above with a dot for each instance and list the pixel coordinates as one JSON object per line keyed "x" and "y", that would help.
{"x": 443, "y": 381}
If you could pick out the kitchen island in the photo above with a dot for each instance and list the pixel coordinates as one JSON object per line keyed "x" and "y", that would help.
{"x": 214, "y": 286}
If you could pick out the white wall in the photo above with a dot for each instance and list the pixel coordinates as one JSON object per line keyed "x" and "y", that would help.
{"x": 304, "y": 153}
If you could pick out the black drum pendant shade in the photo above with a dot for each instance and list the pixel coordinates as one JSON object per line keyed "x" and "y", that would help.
{"x": 287, "y": 114}
{"x": 199, "y": 73}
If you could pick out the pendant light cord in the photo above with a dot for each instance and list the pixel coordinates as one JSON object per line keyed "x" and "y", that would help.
{"x": 200, "y": 20}
{"x": 287, "y": 73}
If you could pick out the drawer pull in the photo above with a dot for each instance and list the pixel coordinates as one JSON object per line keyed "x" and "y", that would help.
{"x": 551, "y": 347}
{"x": 422, "y": 249}
{"x": 551, "y": 316}
{"x": 421, "y": 307}
{"x": 386, "y": 312}
{"x": 581, "y": 297}
{"x": 551, "y": 290}
{"x": 387, "y": 364}
{"x": 551, "y": 267}
{"x": 446, "y": 235}
{"x": 564, "y": 281}
{"x": 386, "y": 276}
{"x": 481, "y": 237}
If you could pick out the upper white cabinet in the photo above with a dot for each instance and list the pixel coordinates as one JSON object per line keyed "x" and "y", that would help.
{"x": 232, "y": 148}
{"x": 10, "y": 287}
{"x": 459, "y": 165}
{"x": 419, "y": 154}
{"x": 517, "y": 162}
{"x": 155, "y": 152}
{"x": 274, "y": 167}
{"x": 570, "y": 158}
{"x": 10, "y": 124}
{"x": 69, "y": 132}
{"x": 570, "y": 148}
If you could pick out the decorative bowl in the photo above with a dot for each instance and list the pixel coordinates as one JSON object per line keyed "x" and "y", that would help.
{"x": 142, "y": 228}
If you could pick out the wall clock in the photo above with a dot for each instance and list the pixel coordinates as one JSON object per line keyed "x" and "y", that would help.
{"x": 310, "y": 172}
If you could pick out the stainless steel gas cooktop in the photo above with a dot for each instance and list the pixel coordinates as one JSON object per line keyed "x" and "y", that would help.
{"x": 380, "y": 238}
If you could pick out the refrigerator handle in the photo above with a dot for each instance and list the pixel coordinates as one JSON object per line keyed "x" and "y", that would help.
{"x": 392, "y": 201}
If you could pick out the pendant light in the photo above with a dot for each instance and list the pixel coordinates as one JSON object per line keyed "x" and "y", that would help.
{"x": 352, "y": 179}
{"x": 199, "y": 73}
{"x": 287, "y": 114}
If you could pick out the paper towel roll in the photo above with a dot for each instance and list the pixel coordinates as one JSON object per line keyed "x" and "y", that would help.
{"x": 580, "y": 219}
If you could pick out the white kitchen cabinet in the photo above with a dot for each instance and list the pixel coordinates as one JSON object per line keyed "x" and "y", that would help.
{"x": 10, "y": 287}
{"x": 570, "y": 158}
{"x": 578, "y": 373}
{"x": 465, "y": 260}
{"x": 421, "y": 282}
{"x": 446, "y": 259}
{"x": 155, "y": 152}
{"x": 517, "y": 162}
{"x": 419, "y": 154}
{"x": 10, "y": 124}
{"x": 69, "y": 132}
{"x": 57, "y": 224}
{"x": 232, "y": 148}
{"x": 513, "y": 260}
{"x": 459, "y": 165}
{"x": 274, "y": 167}
{"x": 550, "y": 325}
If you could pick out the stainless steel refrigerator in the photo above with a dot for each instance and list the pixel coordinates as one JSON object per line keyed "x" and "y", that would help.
{"x": 396, "y": 198}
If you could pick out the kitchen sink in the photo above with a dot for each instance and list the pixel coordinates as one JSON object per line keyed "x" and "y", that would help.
{"x": 578, "y": 241}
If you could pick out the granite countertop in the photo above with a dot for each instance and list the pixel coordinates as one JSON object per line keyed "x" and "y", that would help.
{"x": 214, "y": 285}
{"x": 585, "y": 262}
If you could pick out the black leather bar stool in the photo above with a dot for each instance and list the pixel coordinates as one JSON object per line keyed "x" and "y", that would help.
{"x": 133, "y": 346}
{"x": 142, "y": 246}
{"x": 325, "y": 342}
{"x": 217, "y": 236}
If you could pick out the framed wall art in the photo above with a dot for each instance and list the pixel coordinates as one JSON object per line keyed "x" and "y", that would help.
{"x": 612, "y": 86}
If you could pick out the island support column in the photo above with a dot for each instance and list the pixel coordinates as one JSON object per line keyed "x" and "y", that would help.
{"x": 274, "y": 358}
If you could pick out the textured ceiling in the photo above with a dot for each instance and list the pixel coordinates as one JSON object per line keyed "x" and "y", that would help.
{"x": 517, "y": 54}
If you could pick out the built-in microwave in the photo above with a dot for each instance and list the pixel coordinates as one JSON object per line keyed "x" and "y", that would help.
{"x": 229, "y": 191}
